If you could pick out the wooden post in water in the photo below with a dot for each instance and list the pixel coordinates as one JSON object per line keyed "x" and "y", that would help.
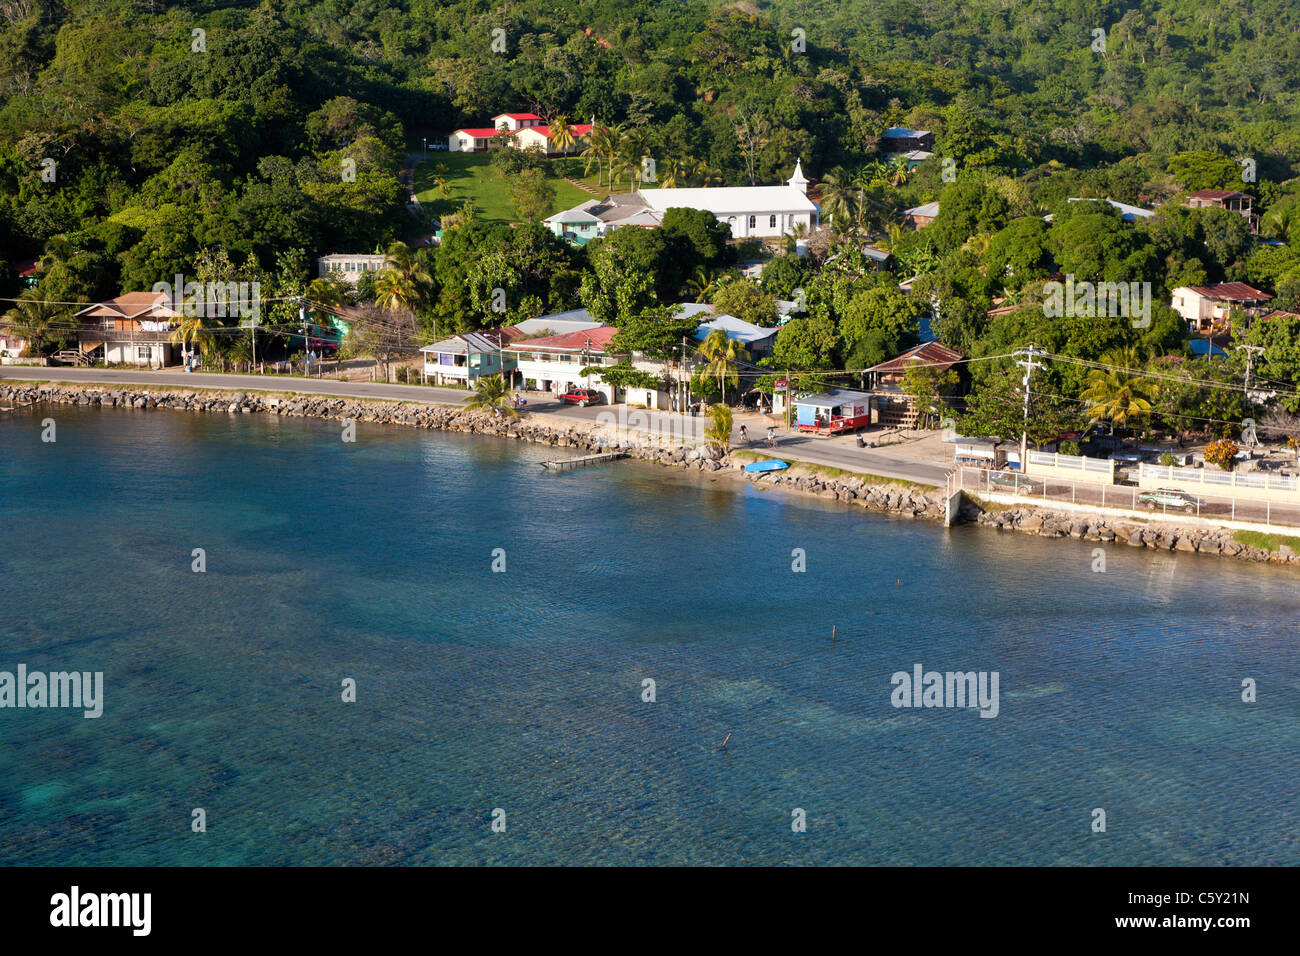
{"x": 724, "y": 743}
{"x": 832, "y": 633}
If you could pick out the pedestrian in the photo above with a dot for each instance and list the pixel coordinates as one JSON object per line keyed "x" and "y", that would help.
{"x": 744, "y": 434}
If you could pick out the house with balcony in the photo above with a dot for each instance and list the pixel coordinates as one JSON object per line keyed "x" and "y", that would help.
{"x": 1207, "y": 307}
{"x": 349, "y": 266}
{"x": 465, "y": 358}
{"x": 1228, "y": 199}
{"x": 554, "y": 363}
{"x": 133, "y": 329}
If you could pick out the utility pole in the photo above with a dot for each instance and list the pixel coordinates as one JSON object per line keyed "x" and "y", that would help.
{"x": 1027, "y": 362}
{"x": 1250, "y": 351}
{"x": 681, "y": 381}
{"x": 302, "y": 317}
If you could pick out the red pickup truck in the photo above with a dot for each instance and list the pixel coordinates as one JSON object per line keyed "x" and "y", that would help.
{"x": 581, "y": 396}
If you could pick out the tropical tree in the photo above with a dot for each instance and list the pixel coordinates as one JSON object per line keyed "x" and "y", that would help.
{"x": 193, "y": 330}
{"x": 39, "y": 321}
{"x": 1117, "y": 393}
{"x": 492, "y": 393}
{"x": 403, "y": 283}
{"x": 329, "y": 291}
{"x": 720, "y": 354}
{"x": 596, "y": 151}
{"x": 838, "y": 195}
{"x": 562, "y": 134}
{"x": 718, "y": 430}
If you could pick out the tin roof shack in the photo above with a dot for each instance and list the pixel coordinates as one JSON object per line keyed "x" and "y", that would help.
{"x": 897, "y": 408}
{"x": 995, "y": 453}
{"x": 833, "y": 413}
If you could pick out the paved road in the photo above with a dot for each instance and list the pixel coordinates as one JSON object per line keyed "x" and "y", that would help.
{"x": 836, "y": 453}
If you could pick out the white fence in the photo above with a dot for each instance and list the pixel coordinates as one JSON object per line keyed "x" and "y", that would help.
{"x": 1227, "y": 479}
{"x": 1211, "y": 502}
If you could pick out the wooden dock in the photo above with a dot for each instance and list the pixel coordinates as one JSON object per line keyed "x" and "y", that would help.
{"x": 564, "y": 464}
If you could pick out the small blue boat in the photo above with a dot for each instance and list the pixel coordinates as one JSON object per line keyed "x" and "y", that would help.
{"x": 772, "y": 464}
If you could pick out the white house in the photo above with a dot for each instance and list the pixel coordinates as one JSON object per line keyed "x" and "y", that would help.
{"x": 749, "y": 210}
{"x": 349, "y": 266}
{"x": 540, "y": 136}
{"x": 554, "y": 363}
{"x": 1204, "y": 306}
{"x": 516, "y": 121}
{"x": 520, "y": 130}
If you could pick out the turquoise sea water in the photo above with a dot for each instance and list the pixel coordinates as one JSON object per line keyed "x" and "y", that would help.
{"x": 522, "y": 690}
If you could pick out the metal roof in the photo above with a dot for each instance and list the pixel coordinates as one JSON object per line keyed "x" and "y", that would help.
{"x": 833, "y": 398}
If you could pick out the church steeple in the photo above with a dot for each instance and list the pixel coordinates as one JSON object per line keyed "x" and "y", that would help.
{"x": 797, "y": 180}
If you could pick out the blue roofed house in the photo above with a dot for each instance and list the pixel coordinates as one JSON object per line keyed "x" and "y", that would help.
{"x": 756, "y": 339}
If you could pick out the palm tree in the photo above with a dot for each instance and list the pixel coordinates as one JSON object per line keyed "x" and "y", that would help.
{"x": 562, "y": 134}
{"x": 796, "y": 232}
{"x": 491, "y": 392}
{"x": 838, "y": 192}
{"x": 699, "y": 282}
{"x": 595, "y": 152}
{"x": 720, "y": 354}
{"x": 36, "y": 319}
{"x": 1116, "y": 394}
{"x": 671, "y": 172}
{"x": 403, "y": 283}
{"x": 330, "y": 291}
{"x": 193, "y": 329}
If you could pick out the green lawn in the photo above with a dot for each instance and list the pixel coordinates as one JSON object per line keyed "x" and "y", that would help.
{"x": 472, "y": 176}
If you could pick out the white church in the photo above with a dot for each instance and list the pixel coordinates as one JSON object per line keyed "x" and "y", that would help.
{"x": 750, "y": 211}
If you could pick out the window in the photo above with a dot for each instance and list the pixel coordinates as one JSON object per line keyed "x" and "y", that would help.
{"x": 771, "y": 222}
{"x": 143, "y": 352}
{"x": 752, "y": 221}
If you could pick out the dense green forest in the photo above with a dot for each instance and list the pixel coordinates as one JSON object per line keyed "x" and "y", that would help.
{"x": 140, "y": 138}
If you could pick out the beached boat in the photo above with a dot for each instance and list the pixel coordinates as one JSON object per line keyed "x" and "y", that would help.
{"x": 772, "y": 464}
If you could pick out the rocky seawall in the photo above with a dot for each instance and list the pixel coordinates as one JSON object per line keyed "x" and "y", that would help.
{"x": 890, "y": 497}
{"x": 1160, "y": 536}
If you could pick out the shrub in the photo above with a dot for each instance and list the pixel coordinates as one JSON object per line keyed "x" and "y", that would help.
{"x": 1222, "y": 453}
{"x": 1166, "y": 459}
{"x": 1069, "y": 447}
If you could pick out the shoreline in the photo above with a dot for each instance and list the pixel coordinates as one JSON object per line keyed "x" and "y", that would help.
{"x": 869, "y": 492}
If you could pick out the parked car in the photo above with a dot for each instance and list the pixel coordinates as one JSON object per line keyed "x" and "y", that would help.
{"x": 1169, "y": 498}
{"x": 581, "y": 397}
{"x": 1011, "y": 481}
